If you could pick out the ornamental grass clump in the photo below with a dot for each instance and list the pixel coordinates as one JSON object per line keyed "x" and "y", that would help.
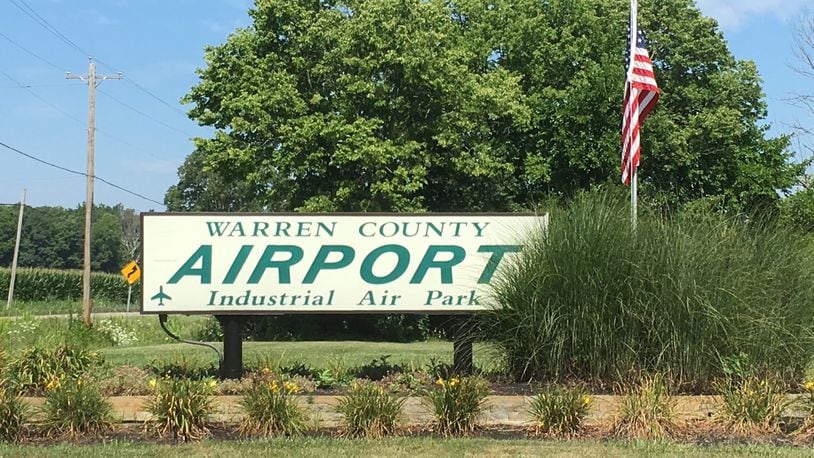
{"x": 457, "y": 404}
{"x": 273, "y": 409}
{"x": 74, "y": 407}
{"x": 559, "y": 411}
{"x": 588, "y": 300}
{"x": 36, "y": 367}
{"x": 13, "y": 413}
{"x": 751, "y": 405}
{"x": 368, "y": 410}
{"x": 647, "y": 411}
{"x": 180, "y": 407}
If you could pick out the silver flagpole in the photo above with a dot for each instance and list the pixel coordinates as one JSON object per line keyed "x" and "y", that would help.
{"x": 634, "y": 35}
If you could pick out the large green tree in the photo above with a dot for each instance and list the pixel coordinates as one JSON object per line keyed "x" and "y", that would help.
{"x": 411, "y": 105}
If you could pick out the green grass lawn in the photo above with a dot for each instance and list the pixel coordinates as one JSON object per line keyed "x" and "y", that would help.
{"x": 30, "y": 330}
{"x": 20, "y": 308}
{"x": 151, "y": 344}
{"x": 403, "y": 447}
{"x": 321, "y": 355}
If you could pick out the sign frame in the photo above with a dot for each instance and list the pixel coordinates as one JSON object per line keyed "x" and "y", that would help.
{"x": 543, "y": 217}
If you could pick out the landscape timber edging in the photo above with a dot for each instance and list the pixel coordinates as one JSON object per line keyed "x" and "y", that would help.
{"x": 500, "y": 410}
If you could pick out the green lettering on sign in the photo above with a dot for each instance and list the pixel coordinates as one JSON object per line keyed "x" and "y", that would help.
{"x": 366, "y": 270}
{"x": 497, "y": 255}
{"x": 429, "y": 262}
{"x": 203, "y": 254}
{"x": 284, "y": 267}
{"x": 321, "y": 260}
{"x": 237, "y": 264}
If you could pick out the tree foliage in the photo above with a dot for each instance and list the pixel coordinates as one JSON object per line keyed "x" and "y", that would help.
{"x": 53, "y": 237}
{"x": 411, "y": 105}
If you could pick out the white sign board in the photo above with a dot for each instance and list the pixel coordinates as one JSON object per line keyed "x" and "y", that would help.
{"x": 271, "y": 263}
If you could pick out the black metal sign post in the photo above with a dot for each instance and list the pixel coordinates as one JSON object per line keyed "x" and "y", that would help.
{"x": 232, "y": 325}
{"x": 462, "y": 359}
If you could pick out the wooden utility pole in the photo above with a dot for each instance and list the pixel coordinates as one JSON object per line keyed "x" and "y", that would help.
{"x": 16, "y": 254}
{"x": 87, "y": 304}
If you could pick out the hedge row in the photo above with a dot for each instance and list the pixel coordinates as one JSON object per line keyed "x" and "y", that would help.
{"x": 52, "y": 284}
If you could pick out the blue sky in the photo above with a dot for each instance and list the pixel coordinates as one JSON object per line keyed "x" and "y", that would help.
{"x": 143, "y": 136}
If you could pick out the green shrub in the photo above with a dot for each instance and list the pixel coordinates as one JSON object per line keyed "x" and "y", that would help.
{"x": 210, "y": 331}
{"x": 407, "y": 382}
{"x": 35, "y": 367}
{"x": 587, "y": 300}
{"x": 272, "y": 408}
{"x": 390, "y": 327}
{"x": 369, "y": 411}
{"x": 457, "y": 404}
{"x": 183, "y": 367}
{"x": 559, "y": 411}
{"x": 13, "y": 413}
{"x": 336, "y": 375}
{"x": 439, "y": 369}
{"x": 74, "y": 407}
{"x": 44, "y": 284}
{"x": 647, "y": 411}
{"x": 180, "y": 407}
{"x": 299, "y": 369}
{"x": 378, "y": 369}
{"x": 751, "y": 405}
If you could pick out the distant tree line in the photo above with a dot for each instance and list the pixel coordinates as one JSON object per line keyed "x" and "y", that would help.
{"x": 53, "y": 237}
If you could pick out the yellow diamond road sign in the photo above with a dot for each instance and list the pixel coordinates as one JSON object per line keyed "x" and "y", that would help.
{"x": 131, "y": 272}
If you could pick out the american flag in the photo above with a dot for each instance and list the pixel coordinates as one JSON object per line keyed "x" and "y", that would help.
{"x": 641, "y": 95}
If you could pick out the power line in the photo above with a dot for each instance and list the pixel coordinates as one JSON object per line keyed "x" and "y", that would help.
{"x": 30, "y": 12}
{"x": 42, "y": 99}
{"x": 144, "y": 90}
{"x": 36, "y": 17}
{"x": 28, "y": 86}
{"x": 105, "y": 133}
{"x": 136, "y": 110}
{"x": 50, "y": 164}
{"x": 76, "y": 172}
{"x": 30, "y": 52}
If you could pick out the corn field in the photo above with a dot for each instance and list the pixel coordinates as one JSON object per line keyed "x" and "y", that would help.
{"x": 52, "y": 284}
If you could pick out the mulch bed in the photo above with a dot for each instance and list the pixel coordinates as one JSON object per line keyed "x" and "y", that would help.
{"x": 697, "y": 432}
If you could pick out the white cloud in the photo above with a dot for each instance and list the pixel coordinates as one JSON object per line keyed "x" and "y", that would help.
{"x": 731, "y": 14}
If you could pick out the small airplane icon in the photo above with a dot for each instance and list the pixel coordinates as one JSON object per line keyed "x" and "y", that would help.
{"x": 161, "y": 296}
